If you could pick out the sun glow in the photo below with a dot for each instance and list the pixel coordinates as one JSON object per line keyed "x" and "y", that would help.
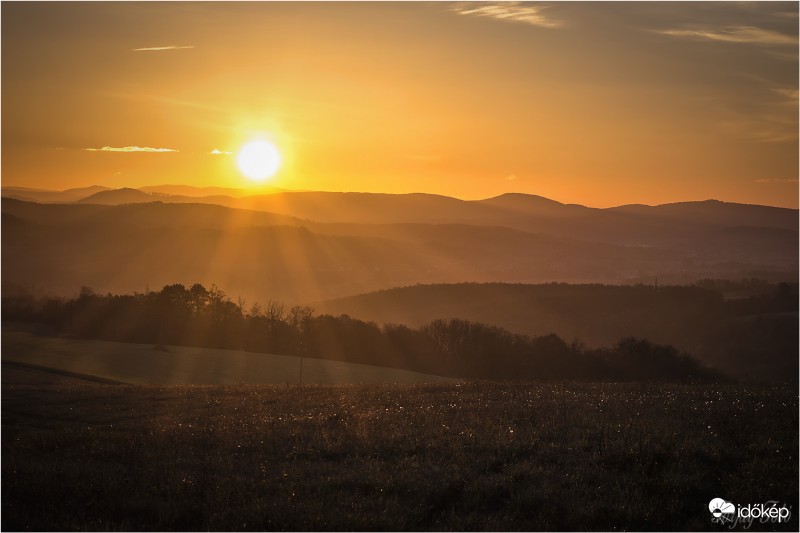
{"x": 258, "y": 160}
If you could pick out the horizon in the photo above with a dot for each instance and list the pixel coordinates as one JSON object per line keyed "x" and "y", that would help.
{"x": 252, "y": 192}
{"x": 601, "y": 105}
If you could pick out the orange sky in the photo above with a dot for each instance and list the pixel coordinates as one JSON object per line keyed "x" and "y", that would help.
{"x": 594, "y": 103}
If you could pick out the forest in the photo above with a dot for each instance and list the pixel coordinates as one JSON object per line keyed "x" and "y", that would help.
{"x": 207, "y": 317}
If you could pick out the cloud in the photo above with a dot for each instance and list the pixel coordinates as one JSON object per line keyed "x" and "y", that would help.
{"x": 160, "y": 48}
{"x": 512, "y": 11}
{"x": 130, "y": 149}
{"x": 734, "y": 34}
{"x": 219, "y": 152}
{"x": 776, "y": 180}
{"x": 786, "y": 14}
{"x": 761, "y": 128}
{"x": 790, "y": 94}
{"x": 785, "y": 56}
{"x": 511, "y": 177}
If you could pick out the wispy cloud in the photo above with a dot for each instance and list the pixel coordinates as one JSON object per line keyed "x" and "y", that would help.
{"x": 130, "y": 149}
{"x": 763, "y": 111}
{"x": 526, "y": 12}
{"x": 791, "y": 95}
{"x": 787, "y": 14}
{"x": 777, "y": 180}
{"x": 734, "y": 34}
{"x": 766, "y": 126}
{"x": 219, "y": 152}
{"x": 784, "y": 55}
{"x": 161, "y": 48}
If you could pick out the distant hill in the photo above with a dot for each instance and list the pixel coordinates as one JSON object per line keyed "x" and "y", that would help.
{"x": 714, "y": 212}
{"x": 188, "y": 190}
{"x": 119, "y": 196}
{"x": 48, "y": 196}
{"x": 139, "y": 196}
{"x": 527, "y": 204}
{"x": 171, "y": 193}
{"x": 711, "y": 231}
{"x": 595, "y": 314}
{"x": 124, "y": 248}
{"x": 301, "y": 247}
{"x": 199, "y": 192}
{"x": 260, "y": 255}
{"x": 755, "y": 337}
{"x": 512, "y": 210}
{"x": 366, "y": 208}
{"x": 707, "y": 230}
{"x": 150, "y": 215}
{"x": 741, "y": 237}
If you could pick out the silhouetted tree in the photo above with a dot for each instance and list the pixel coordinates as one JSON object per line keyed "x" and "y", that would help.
{"x": 206, "y": 317}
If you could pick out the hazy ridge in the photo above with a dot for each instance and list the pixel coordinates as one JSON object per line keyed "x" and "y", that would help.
{"x": 304, "y": 246}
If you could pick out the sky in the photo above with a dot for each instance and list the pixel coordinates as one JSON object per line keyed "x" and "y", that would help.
{"x": 595, "y": 103}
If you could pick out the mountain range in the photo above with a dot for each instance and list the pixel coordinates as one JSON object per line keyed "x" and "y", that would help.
{"x": 307, "y": 246}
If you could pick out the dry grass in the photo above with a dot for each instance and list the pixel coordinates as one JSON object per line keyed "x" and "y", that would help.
{"x": 145, "y": 364}
{"x": 469, "y": 456}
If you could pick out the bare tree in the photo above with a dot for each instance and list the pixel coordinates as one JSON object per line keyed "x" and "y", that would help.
{"x": 275, "y": 311}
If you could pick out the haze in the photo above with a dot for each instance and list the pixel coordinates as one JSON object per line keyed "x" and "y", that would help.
{"x": 600, "y": 104}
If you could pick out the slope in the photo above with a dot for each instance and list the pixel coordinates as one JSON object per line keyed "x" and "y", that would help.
{"x": 142, "y": 365}
{"x": 753, "y": 337}
{"x": 262, "y": 256}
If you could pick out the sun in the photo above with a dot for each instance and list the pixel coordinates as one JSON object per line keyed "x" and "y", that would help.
{"x": 258, "y": 160}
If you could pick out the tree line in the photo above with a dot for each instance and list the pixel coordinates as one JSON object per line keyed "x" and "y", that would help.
{"x": 207, "y": 317}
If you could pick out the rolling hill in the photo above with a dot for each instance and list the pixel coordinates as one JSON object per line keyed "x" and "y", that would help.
{"x": 198, "y": 192}
{"x": 516, "y": 210}
{"x": 592, "y": 313}
{"x": 753, "y": 337}
{"x": 263, "y": 255}
{"x": 49, "y": 196}
{"x": 140, "y": 364}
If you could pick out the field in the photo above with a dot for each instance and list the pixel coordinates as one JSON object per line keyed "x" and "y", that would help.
{"x": 80, "y": 455}
{"x": 144, "y": 364}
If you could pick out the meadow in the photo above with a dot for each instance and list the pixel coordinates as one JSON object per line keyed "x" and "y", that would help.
{"x": 80, "y": 455}
{"x": 143, "y": 364}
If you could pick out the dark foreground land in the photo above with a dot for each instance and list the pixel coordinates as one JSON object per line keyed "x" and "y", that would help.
{"x": 81, "y": 455}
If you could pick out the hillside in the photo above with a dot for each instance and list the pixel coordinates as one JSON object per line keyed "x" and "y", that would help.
{"x": 48, "y": 196}
{"x": 521, "y": 211}
{"x": 178, "y": 365}
{"x": 198, "y": 192}
{"x": 262, "y": 255}
{"x": 748, "y": 337}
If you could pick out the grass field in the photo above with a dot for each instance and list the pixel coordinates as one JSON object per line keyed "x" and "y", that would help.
{"x": 142, "y": 364}
{"x": 78, "y": 455}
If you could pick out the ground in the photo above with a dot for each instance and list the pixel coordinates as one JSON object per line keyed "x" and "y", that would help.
{"x": 144, "y": 364}
{"x": 78, "y": 454}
